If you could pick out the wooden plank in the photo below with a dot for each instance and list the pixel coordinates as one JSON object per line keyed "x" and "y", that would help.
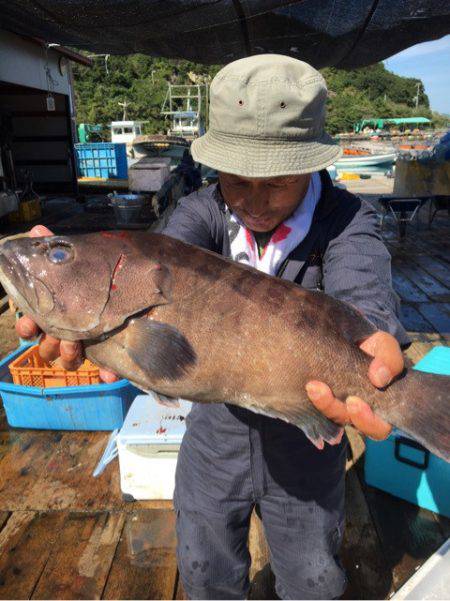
{"x": 47, "y": 470}
{"x": 436, "y": 244}
{"x": 408, "y": 534}
{"x": 418, "y": 350}
{"x": 438, "y": 269}
{"x": 6, "y": 441}
{"x": 438, "y": 314}
{"x": 4, "y": 515}
{"x": 262, "y": 580}
{"x": 180, "y": 593}
{"x": 9, "y": 340}
{"x": 165, "y": 504}
{"x": 405, "y": 288}
{"x": 144, "y": 565}
{"x": 4, "y": 303}
{"x": 20, "y": 449}
{"x": 368, "y": 574}
{"x": 11, "y": 533}
{"x": 444, "y": 524}
{"x": 414, "y": 322}
{"x": 423, "y": 280}
{"x": 28, "y": 542}
{"x": 79, "y": 565}
{"x": 3, "y": 421}
{"x": 357, "y": 446}
{"x": 25, "y": 457}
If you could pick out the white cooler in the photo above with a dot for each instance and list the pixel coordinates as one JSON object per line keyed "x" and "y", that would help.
{"x": 147, "y": 446}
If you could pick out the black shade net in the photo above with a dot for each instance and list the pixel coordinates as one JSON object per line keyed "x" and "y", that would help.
{"x": 341, "y": 33}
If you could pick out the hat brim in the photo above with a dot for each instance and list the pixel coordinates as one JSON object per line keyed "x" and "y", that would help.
{"x": 258, "y": 157}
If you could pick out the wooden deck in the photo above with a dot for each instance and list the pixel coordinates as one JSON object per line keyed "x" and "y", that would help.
{"x": 66, "y": 535}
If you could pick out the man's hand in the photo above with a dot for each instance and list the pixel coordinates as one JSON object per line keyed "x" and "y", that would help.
{"x": 51, "y": 348}
{"x": 387, "y": 363}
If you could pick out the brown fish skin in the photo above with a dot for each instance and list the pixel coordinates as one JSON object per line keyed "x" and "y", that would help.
{"x": 188, "y": 323}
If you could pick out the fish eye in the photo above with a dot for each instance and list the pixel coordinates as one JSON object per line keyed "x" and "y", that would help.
{"x": 60, "y": 253}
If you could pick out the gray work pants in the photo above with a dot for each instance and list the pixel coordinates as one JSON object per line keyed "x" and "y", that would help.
{"x": 232, "y": 460}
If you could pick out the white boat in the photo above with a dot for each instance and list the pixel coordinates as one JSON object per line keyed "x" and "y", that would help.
{"x": 364, "y": 161}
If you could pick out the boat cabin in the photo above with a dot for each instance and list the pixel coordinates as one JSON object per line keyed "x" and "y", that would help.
{"x": 126, "y": 131}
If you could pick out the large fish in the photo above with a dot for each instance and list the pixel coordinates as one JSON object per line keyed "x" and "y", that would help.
{"x": 185, "y": 322}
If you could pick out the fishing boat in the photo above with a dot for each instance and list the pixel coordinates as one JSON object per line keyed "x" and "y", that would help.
{"x": 160, "y": 145}
{"x": 365, "y": 162}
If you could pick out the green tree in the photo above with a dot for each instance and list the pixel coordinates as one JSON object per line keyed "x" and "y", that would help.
{"x": 143, "y": 81}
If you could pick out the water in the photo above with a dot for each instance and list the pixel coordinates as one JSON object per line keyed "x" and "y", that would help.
{"x": 372, "y": 169}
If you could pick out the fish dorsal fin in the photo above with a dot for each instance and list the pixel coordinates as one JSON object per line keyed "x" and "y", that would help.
{"x": 159, "y": 349}
{"x": 347, "y": 319}
{"x": 354, "y": 324}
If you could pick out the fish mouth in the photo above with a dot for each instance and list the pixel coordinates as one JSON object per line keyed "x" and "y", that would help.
{"x": 13, "y": 272}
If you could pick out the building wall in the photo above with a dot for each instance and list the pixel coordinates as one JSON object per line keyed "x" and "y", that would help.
{"x": 24, "y": 63}
{"x": 40, "y": 140}
{"x": 36, "y": 141}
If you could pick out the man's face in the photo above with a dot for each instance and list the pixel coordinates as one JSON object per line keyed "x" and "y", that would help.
{"x": 262, "y": 203}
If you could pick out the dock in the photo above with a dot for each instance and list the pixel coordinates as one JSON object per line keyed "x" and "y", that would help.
{"x": 67, "y": 535}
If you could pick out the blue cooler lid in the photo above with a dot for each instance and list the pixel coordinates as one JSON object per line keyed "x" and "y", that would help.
{"x": 149, "y": 422}
{"x": 437, "y": 361}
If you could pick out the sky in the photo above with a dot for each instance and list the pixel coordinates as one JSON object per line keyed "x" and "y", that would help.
{"x": 429, "y": 62}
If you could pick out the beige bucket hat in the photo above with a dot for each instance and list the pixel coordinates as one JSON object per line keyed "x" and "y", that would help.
{"x": 267, "y": 115}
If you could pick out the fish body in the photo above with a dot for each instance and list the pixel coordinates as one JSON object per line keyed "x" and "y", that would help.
{"x": 185, "y": 322}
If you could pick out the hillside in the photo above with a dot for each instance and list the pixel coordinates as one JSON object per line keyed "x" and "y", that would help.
{"x": 142, "y": 81}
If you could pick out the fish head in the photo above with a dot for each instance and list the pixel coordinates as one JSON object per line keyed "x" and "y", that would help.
{"x": 82, "y": 286}
{"x": 58, "y": 281}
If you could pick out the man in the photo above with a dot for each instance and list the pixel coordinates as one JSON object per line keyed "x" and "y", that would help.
{"x": 275, "y": 208}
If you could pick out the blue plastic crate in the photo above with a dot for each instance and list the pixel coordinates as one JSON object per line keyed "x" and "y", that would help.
{"x": 403, "y": 467}
{"x": 94, "y": 407}
{"x": 102, "y": 159}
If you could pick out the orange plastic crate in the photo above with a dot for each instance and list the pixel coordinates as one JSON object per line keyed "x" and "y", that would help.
{"x": 29, "y": 369}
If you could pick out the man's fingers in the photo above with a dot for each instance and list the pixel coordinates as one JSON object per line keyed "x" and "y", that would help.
{"x": 107, "y": 376}
{"x": 40, "y": 230}
{"x": 379, "y": 374}
{"x": 71, "y": 355}
{"x": 385, "y": 367}
{"x": 388, "y": 359}
{"x": 363, "y": 418}
{"x": 49, "y": 348}
{"x": 26, "y": 327}
{"x": 323, "y": 399}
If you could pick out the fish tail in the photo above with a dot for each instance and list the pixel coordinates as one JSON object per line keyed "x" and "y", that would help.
{"x": 422, "y": 410}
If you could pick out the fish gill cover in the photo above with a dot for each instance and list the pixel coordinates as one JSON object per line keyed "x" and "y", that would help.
{"x": 340, "y": 33}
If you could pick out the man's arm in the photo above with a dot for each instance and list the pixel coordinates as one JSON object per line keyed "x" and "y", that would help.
{"x": 357, "y": 269}
{"x": 193, "y": 220}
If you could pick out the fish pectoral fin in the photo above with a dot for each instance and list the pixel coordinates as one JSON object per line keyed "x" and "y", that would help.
{"x": 159, "y": 349}
{"x": 167, "y": 401}
{"x": 136, "y": 290}
{"x": 316, "y": 427}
